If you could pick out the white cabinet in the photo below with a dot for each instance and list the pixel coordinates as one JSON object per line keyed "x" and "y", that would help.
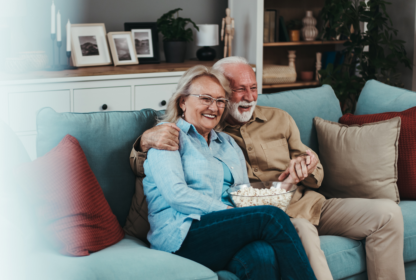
{"x": 20, "y": 100}
{"x": 102, "y": 99}
{"x": 23, "y": 107}
{"x": 153, "y": 96}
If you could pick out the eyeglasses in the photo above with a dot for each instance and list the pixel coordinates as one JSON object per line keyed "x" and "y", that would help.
{"x": 208, "y": 100}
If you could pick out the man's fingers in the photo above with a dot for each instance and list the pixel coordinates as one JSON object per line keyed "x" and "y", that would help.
{"x": 304, "y": 169}
{"x": 284, "y": 175}
{"x": 299, "y": 171}
{"x": 174, "y": 126}
{"x": 308, "y": 160}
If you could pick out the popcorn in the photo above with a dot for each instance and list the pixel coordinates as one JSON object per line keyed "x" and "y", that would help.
{"x": 250, "y": 196}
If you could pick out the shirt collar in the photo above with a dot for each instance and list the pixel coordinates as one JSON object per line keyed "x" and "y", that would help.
{"x": 186, "y": 127}
{"x": 257, "y": 115}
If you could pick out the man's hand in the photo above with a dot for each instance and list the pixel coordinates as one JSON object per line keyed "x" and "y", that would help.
{"x": 161, "y": 137}
{"x": 300, "y": 167}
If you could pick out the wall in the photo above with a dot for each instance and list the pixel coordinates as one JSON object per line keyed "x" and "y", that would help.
{"x": 402, "y": 13}
{"x": 26, "y": 23}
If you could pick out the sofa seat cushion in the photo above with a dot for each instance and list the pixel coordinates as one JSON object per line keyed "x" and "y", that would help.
{"x": 408, "y": 211}
{"x": 345, "y": 257}
{"x": 128, "y": 259}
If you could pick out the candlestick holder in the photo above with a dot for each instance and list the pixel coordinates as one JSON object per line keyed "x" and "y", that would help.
{"x": 53, "y": 37}
{"x": 69, "y": 67}
{"x": 59, "y": 44}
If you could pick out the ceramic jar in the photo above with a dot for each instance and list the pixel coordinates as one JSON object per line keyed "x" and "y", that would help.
{"x": 37, "y": 60}
{"x": 309, "y": 31}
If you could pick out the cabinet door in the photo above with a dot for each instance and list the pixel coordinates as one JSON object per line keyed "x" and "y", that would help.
{"x": 24, "y": 106}
{"x": 102, "y": 99}
{"x": 153, "y": 96}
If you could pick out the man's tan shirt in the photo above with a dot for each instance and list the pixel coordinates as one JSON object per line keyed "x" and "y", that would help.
{"x": 269, "y": 141}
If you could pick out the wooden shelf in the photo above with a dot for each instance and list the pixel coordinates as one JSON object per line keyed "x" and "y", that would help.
{"x": 303, "y": 43}
{"x": 292, "y": 85}
{"x": 107, "y": 70}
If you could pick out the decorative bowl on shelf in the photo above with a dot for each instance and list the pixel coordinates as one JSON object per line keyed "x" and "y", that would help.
{"x": 306, "y": 75}
{"x": 273, "y": 193}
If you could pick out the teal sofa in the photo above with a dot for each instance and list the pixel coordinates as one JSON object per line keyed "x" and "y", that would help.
{"x": 107, "y": 138}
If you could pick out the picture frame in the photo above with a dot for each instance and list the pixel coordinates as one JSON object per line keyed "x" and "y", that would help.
{"x": 146, "y": 40}
{"x": 89, "y": 45}
{"x": 122, "y": 48}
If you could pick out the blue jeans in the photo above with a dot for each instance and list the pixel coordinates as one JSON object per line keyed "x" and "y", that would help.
{"x": 252, "y": 242}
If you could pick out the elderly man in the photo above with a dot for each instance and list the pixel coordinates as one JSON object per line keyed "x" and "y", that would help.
{"x": 270, "y": 141}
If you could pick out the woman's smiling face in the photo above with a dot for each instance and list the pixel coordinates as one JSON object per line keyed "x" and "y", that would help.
{"x": 203, "y": 117}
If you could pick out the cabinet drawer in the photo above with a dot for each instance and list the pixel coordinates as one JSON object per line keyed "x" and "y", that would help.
{"x": 154, "y": 96}
{"x": 102, "y": 99}
{"x": 24, "y": 106}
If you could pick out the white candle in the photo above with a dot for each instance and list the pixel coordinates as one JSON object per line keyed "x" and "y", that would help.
{"x": 68, "y": 36}
{"x": 53, "y": 18}
{"x": 58, "y": 27}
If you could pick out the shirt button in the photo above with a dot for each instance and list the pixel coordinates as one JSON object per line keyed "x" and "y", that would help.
{"x": 232, "y": 167}
{"x": 256, "y": 169}
{"x": 250, "y": 148}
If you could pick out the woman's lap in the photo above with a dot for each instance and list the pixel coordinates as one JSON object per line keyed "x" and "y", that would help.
{"x": 219, "y": 236}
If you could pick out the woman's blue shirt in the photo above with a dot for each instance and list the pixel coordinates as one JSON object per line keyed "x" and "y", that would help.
{"x": 182, "y": 185}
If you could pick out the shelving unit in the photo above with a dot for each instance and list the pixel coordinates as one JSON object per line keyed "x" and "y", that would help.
{"x": 302, "y": 43}
{"x": 248, "y": 39}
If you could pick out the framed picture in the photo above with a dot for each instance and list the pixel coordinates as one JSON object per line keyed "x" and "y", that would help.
{"x": 89, "y": 45}
{"x": 122, "y": 48}
{"x": 146, "y": 40}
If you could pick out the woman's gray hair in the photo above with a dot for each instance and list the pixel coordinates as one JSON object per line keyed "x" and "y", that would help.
{"x": 174, "y": 111}
{"x": 229, "y": 60}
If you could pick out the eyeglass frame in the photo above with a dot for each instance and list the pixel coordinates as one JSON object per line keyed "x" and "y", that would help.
{"x": 212, "y": 99}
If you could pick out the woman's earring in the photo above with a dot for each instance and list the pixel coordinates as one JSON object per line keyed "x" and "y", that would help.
{"x": 183, "y": 114}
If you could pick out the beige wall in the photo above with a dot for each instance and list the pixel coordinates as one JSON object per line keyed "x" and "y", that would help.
{"x": 402, "y": 13}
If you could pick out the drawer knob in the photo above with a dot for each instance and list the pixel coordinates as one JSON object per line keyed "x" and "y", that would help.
{"x": 104, "y": 106}
{"x": 163, "y": 103}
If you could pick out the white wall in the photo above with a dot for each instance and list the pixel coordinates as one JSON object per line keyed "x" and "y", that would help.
{"x": 26, "y": 23}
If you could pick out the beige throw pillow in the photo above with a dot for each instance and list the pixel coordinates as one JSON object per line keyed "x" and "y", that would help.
{"x": 359, "y": 161}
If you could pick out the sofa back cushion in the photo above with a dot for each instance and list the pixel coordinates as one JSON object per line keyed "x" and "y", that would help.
{"x": 377, "y": 97}
{"x": 107, "y": 139}
{"x": 304, "y": 105}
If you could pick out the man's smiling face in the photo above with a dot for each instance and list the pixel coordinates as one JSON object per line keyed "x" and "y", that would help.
{"x": 244, "y": 97}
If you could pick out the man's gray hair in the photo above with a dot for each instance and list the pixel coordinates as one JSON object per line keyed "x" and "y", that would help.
{"x": 229, "y": 60}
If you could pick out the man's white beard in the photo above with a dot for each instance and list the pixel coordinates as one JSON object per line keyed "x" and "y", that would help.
{"x": 245, "y": 116}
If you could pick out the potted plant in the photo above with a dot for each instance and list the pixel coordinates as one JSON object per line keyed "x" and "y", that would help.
{"x": 175, "y": 36}
{"x": 373, "y": 53}
{"x": 294, "y": 27}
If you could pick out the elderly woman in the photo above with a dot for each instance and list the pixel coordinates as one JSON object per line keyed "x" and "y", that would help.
{"x": 189, "y": 212}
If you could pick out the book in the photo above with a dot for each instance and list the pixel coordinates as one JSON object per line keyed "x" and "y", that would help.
{"x": 283, "y": 34}
{"x": 266, "y": 30}
{"x": 273, "y": 25}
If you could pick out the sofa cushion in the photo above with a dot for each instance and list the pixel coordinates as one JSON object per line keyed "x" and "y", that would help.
{"x": 406, "y": 162}
{"x": 107, "y": 139}
{"x": 303, "y": 105}
{"x": 68, "y": 200}
{"x": 346, "y": 257}
{"x": 377, "y": 97}
{"x": 354, "y": 165}
{"x": 128, "y": 259}
{"x": 408, "y": 211}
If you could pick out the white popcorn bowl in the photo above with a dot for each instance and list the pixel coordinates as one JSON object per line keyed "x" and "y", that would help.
{"x": 281, "y": 201}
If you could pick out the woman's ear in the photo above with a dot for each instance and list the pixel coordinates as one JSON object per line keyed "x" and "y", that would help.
{"x": 182, "y": 103}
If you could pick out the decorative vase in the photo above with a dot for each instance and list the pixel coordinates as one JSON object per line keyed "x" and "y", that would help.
{"x": 174, "y": 51}
{"x": 294, "y": 35}
{"x": 309, "y": 31}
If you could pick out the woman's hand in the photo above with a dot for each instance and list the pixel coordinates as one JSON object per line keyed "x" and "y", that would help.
{"x": 229, "y": 207}
{"x": 301, "y": 167}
